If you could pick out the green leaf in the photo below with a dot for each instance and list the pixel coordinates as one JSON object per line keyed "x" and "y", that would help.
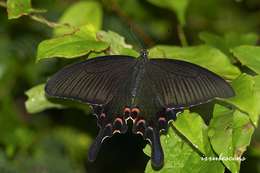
{"x": 37, "y": 100}
{"x": 76, "y": 148}
{"x": 118, "y": 46}
{"x": 192, "y": 126}
{"x": 229, "y": 40}
{"x": 6, "y": 64}
{"x": 257, "y": 90}
{"x": 248, "y": 56}
{"x": 178, "y": 6}
{"x": 203, "y": 55}
{"x": 257, "y": 84}
{"x": 18, "y": 8}
{"x": 80, "y": 14}
{"x": 9, "y": 122}
{"x": 245, "y": 98}
{"x": 230, "y": 133}
{"x": 71, "y": 46}
{"x": 180, "y": 157}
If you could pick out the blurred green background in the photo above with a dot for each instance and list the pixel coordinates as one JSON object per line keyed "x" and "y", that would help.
{"x": 56, "y": 141}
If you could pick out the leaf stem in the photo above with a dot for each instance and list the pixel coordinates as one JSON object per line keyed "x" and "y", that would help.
{"x": 182, "y": 36}
{"x": 43, "y": 20}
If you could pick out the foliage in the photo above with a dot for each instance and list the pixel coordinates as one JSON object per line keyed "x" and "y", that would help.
{"x": 181, "y": 157}
{"x": 77, "y": 44}
{"x": 18, "y": 8}
{"x": 247, "y": 55}
{"x": 87, "y": 29}
{"x": 178, "y": 6}
{"x": 73, "y": 18}
{"x": 37, "y": 101}
{"x": 218, "y": 62}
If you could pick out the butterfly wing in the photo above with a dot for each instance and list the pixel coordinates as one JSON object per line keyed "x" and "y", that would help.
{"x": 167, "y": 87}
{"x": 93, "y": 81}
{"x": 110, "y": 80}
{"x": 181, "y": 84}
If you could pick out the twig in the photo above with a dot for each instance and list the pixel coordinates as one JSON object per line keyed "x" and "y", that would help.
{"x": 43, "y": 20}
{"x": 51, "y": 24}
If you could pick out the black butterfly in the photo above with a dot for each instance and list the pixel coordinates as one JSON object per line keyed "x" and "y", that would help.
{"x": 150, "y": 92}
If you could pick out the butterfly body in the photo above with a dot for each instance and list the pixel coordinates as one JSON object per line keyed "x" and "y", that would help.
{"x": 150, "y": 92}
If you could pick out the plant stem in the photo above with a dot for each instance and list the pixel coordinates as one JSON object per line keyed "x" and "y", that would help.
{"x": 43, "y": 20}
{"x": 182, "y": 36}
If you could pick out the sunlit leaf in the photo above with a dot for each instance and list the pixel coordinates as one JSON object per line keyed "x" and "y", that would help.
{"x": 18, "y": 8}
{"x": 180, "y": 157}
{"x": 203, "y": 55}
{"x": 71, "y": 46}
{"x": 248, "y": 56}
{"x": 245, "y": 97}
{"x": 79, "y": 14}
{"x": 257, "y": 90}
{"x": 230, "y": 133}
{"x": 229, "y": 40}
{"x": 37, "y": 100}
{"x": 192, "y": 126}
{"x": 118, "y": 46}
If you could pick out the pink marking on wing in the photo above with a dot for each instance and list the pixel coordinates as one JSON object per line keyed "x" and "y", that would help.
{"x": 162, "y": 119}
{"x": 136, "y": 110}
{"x": 127, "y": 110}
{"x": 102, "y": 115}
{"x": 119, "y": 119}
{"x": 139, "y": 122}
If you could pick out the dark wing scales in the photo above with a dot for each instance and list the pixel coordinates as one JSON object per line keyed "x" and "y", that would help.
{"x": 150, "y": 106}
{"x": 181, "y": 84}
{"x": 147, "y": 99}
{"x": 93, "y": 81}
{"x": 167, "y": 87}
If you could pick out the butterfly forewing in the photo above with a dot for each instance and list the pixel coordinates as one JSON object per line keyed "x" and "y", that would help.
{"x": 93, "y": 81}
{"x": 182, "y": 84}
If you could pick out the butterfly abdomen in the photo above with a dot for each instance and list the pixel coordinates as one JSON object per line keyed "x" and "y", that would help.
{"x": 136, "y": 78}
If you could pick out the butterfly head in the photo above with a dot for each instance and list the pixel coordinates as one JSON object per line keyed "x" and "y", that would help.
{"x": 144, "y": 54}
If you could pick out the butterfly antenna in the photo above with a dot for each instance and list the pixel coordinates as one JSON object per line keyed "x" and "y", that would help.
{"x": 133, "y": 27}
{"x": 141, "y": 44}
